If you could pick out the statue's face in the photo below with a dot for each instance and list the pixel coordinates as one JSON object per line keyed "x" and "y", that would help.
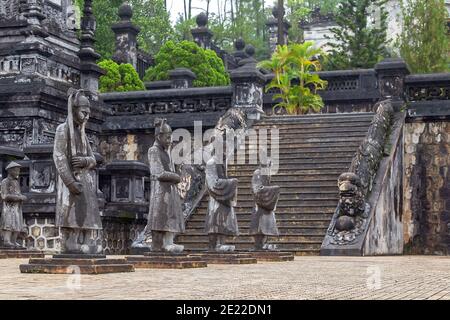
{"x": 14, "y": 172}
{"x": 81, "y": 114}
{"x": 165, "y": 139}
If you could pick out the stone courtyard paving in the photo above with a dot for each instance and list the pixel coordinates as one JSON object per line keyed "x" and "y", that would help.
{"x": 402, "y": 277}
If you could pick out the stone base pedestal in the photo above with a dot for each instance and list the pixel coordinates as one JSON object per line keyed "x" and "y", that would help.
{"x": 272, "y": 256}
{"x": 76, "y": 263}
{"x": 19, "y": 253}
{"x": 225, "y": 258}
{"x": 165, "y": 260}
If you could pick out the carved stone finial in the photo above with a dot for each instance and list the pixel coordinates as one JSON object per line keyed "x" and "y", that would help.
{"x": 125, "y": 12}
{"x": 250, "y": 50}
{"x": 202, "y": 20}
{"x": 239, "y": 44}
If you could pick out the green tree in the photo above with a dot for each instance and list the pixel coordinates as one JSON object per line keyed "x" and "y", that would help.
{"x": 361, "y": 36}
{"x": 424, "y": 42}
{"x": 296, "y": 63}
{"x": 206, "y": 65}
{"x": 150, "y": 16}
{"x": 119, "y": 77}
{"x": 300, "y": 10}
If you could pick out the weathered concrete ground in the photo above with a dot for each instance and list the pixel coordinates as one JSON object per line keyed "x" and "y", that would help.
{"x": 403, "y": 277}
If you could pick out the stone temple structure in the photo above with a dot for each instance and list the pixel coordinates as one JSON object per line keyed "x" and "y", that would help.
{"x": 368, "y": 175}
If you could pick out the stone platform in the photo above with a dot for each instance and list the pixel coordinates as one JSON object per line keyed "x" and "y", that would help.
{"x": 153, "y": 260}
{"x": 272, "y": 256}
{"x": 19, "y": 253}
{"x": 225, "y": 258}
{"x": 76, "y": 263}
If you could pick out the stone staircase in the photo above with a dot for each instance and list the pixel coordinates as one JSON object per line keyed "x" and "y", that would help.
{"x": 313, "y": 150}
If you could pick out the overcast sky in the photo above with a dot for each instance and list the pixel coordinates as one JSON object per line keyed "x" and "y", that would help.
{"x": 176, "y": 7}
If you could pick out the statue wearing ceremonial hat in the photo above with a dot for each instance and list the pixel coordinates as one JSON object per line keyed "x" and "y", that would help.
{"x": 11, "y": 220}
{"x": 263, "y": 222}
{"x": 165, "y": 218}
{"x": 77, "y": 211}
{"x": 221, "y": 220}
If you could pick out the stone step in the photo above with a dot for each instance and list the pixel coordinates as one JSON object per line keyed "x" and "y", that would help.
{"x": 281, "y": 223}
{"x": 283, "y": 246}
{"x": 332, "y": 190}
{"x": 317, "y": 117}
{"x": 312, "y": 215}
{"x": 309, "y": 185}
{"x": 312, "y": 152}
{"x": 288, "y": 136}
{"x": 288, "y": 167}
{"x": 302, "y": 142}
{"x": 330, "y": 126}
{"x": 243, "y": 239}
{"x": 244, "y": 231}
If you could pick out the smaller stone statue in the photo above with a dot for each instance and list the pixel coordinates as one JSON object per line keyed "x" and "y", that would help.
{"x": 165, "y": 218}
{"x": 11, "y": 220}
{"x": 221, "y": 220}
{"x": 263, "y": 222}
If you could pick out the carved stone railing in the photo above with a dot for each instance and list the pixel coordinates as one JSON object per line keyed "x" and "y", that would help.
{"x": 367, "y": 220}
{"x": 169, "y": 101}
{"x": 428, "y": 96}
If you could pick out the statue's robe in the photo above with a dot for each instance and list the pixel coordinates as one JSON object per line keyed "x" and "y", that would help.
{"x": 11, "y": 218}
{"x": 221, "y": 218}
{"x": 266, "y": 198}
{"x": 75, "y": 211}
{"x": 165, "y": 213}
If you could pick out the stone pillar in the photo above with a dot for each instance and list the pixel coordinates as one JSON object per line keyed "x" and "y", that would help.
{"x": 32, "y": 11}
{"x": 202, "y": 35}
{"x": 181, "y": 78}
{"x": 248, "y": 84}
{"x": 272, "y": 30}
{"x": 126, "y": 37}
{"x": 391, "y": 75}
{"x": 90, "y": 71}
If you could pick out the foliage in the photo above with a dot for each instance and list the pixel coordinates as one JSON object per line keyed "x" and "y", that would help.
{"x": 296, "y": 63}
{"x": 119, "y": 77}
{"x": 424, "y": 42}
{"x": 300, "y": 10}
{"x": 359, "y": 41}
{"x": 206, "y": 65}
{"x": 150, "y": 16}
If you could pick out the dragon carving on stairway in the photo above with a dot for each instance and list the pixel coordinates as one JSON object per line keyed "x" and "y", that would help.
{"x": 352, "y": 212}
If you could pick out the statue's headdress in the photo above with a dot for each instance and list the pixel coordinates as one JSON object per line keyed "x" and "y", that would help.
{"x": 13, "y": 164}
{"x": 161, "y": 126}
{"x": 75, "y": 97}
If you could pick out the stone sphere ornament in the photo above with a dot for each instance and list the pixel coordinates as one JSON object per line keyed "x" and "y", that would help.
{"x": 345, "y": 223}
{"x": 125, "y": 11}
{"x": 202, "y": 20}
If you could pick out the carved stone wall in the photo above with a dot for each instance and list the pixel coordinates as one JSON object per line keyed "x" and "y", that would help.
{"x": 427, "y": 187}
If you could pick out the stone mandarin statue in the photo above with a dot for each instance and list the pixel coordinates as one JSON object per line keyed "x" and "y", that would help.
{"x": 221, "y": 220}
{"x": 263, "y": 222}
{"x": 77, "y": 211}
{"x": 11, "y": 220}
{"x": 165, "y": 218}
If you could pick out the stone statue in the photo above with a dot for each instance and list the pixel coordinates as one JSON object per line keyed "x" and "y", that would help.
{"x": 165, "y": 218}
{"x": 11, "y": 220}
{"x": 263, "y": 222}
{"x": 77, "y": 211}
{"x": 221, "y": 220}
